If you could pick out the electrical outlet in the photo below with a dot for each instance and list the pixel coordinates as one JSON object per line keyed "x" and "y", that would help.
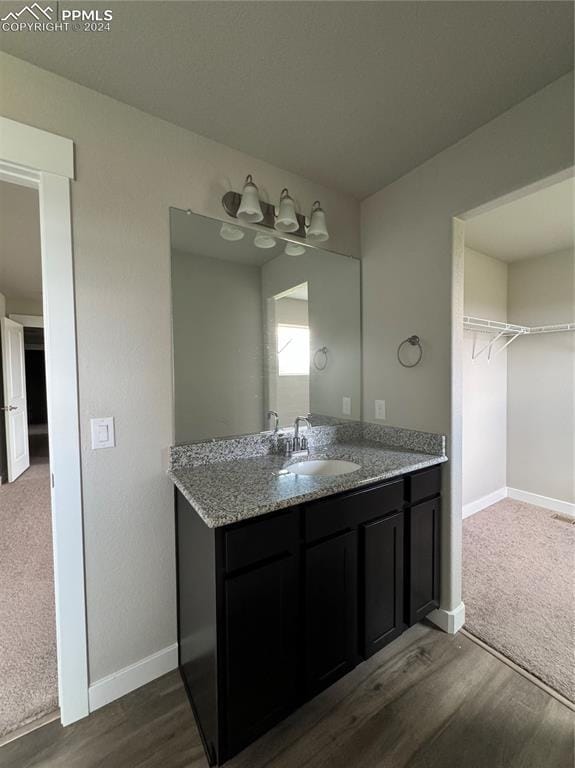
{"x": 346, "y": 406}
{"x": 380, "y": 409}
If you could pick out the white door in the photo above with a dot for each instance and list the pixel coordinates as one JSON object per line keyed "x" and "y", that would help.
{"x": 15, "y": 410}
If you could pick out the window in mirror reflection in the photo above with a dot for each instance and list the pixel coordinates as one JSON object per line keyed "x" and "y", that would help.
{"x": 293, "y": 350}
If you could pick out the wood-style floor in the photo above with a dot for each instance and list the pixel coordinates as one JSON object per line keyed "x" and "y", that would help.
{"x": 429, "y": 700}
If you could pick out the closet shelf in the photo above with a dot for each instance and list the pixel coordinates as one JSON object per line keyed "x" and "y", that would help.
{"x": 509, "y": 331}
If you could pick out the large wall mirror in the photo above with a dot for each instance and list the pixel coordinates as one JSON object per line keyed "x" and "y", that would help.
{"x": 260, "y": 323}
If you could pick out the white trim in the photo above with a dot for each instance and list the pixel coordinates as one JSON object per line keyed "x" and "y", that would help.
{"x": 28, "y": 321}
{"x": 555, "y": 505}
{"x": 129, "y": 678}
{"x": 64, "y": 441}
{"x": 49, "y": 166}
{"x": 17, "y": 174}
{"x": 517, "y": 194}
{"x": 449, "y": 621}
{"x": 483, "y": 502}
{"x": 32, "y": 148}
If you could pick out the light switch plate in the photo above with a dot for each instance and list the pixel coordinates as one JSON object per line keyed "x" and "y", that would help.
{"x": 346, "y": 406}
{"x": 380, "y": 409}
{"x": 103, "y": 433}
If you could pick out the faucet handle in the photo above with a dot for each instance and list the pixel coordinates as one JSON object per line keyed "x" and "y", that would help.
{"x": 285, "y": 445}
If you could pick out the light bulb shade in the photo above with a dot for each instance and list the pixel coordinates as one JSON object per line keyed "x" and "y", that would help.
{"x": 286, "y": 220}
{"x": 317, "y": 230}
{"x": 294, "y": 249}
{"x": 264, "y": 241}
{"x": 250, "y": 209}
{"x": 231, "y": 233}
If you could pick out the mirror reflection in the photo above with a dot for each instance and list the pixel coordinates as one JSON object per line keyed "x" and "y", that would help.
{"x": 260, "y": 323}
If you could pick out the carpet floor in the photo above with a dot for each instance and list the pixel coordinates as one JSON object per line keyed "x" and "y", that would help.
{"x": 518, "y": 588}
{"x": 28, "y": 669}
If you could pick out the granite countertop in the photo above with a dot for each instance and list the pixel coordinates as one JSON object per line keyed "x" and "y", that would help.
{"x": 224, "y": 492}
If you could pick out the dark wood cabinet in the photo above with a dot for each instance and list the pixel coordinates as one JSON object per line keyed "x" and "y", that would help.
{"x": 382, "y": 587}
{"x": 261, "y": 641}
{"x": 422, "y": 594}
{"x": 330, "y": 611}
{"x": 274, "y": 609}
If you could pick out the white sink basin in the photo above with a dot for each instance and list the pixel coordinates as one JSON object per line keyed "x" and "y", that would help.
{"x": 323, "y": 467}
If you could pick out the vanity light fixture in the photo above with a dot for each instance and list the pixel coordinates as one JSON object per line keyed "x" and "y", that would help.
{"x": 231, "y": 233}
{"x": 250, "y": 209}
{"x": 294, "y": 249}
{"x": 286, "y": 220}
{"x": 262, "y": 240}
{"x": 317, "y": 230}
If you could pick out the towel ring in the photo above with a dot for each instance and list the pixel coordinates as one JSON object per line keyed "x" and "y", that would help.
{"x": 415, "y": 342}
{"x": 316, "y": 365}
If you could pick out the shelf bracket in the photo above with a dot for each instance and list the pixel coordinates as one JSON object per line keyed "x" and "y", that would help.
{"x": 490, "y": 345}
{"x": 508, "y": 342}
{"x": 487, "y": 347}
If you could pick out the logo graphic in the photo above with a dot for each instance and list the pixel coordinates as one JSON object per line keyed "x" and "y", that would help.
{"x": 35, "y": 10}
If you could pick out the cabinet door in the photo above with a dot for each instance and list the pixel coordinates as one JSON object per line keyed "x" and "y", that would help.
{"x": 261, "y": 641}
{"x": 423, "y": 559}
{"x": 382, "y": 571}
{"x": 331, "y": 631}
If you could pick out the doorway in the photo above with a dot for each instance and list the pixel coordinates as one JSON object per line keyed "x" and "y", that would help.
{"x": 28, "y": 656}
{"x": 41, "y": 161}
{"x": 516, "y": 353}
{"x": 288, "y": 344}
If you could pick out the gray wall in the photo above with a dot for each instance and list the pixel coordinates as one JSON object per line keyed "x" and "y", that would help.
{"x": 484, "y": 383}
{"x": 218, "y": 347}
{"x": 20, "y": 256}
{"x": 24, "y": 306}
{"x": 541, "y": 391}
{"x": 130, "y": 169}
{"x": 407, "y": 251}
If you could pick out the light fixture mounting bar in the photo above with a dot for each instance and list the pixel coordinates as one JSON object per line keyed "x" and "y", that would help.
{"x": 231, "y": 202}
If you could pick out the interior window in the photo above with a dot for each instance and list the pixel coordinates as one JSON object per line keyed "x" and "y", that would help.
{"x": 293, "y": 350}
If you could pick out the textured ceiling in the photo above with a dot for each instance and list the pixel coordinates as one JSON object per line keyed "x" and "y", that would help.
{"x": 534, "y": 225}
{"x": 349, "y": 94}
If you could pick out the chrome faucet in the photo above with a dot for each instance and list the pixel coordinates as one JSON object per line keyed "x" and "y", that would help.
{"x": 300, "y": 444}
{"x": 276, "y": 418}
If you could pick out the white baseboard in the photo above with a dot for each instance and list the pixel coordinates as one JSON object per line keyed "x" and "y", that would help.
{"x": 124, "y": 681}
{"x": 556, "y": 505}
{"x": 449, "y": 621}
{"x": 484, "y": 502}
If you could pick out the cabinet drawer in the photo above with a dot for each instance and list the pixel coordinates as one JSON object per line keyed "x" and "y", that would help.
{"x": 341, "y": 513}
{"x": 424, "y": 484}
{"x": 260, "y": 540}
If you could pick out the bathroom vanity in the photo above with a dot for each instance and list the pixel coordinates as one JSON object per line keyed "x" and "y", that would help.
{"x": 276, "y": 607}
{"x": 304, "y": 549}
